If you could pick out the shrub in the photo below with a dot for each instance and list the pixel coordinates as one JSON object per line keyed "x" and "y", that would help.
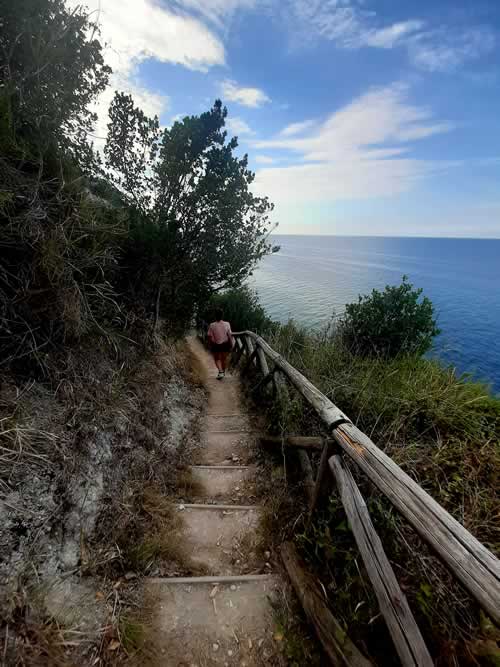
{"x": 390, "y": 323}
{"x": 241, "y": 308}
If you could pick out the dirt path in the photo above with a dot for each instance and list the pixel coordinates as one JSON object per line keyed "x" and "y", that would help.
{"x": 224, "y": 617}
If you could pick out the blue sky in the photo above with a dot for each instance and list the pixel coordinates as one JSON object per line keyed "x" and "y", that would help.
{"x": 359, "y": 116}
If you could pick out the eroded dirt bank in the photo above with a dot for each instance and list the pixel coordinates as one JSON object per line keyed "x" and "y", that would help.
{"x": 83, "y": 460}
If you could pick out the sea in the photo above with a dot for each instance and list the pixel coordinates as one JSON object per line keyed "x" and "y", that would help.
{"x": 311, "y": 279}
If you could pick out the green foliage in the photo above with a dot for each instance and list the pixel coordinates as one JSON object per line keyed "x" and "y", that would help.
{"x": 58, "y": 246}
{"x": 52, "y": 69}
{"x": 85, "y": 249}
{"x": 389, "y": 323}
{"x": 241, "y": 308}
{"x": 197, "y": 226}
{"x": 441, "y": 428}
{"x": 401, "y": 399}
{"x": 132, "y": 633}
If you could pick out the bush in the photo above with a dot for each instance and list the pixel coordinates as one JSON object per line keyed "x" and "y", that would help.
{"x": 442, "y": 429}
{"x": 241, "y": 308}
{"x": 390, "y": 323}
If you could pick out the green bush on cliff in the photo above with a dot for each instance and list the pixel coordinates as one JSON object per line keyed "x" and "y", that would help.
{"x": 395, "y": 321}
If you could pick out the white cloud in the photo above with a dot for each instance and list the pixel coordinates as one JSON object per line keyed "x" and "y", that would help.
{"x": 248, "y": 97}
{"x": 264, "y": 159}
{"x": 136, "y": 30}
{"x": 353, "y": 25}
{"x": 359, "y": 151}
{"x": 238, "y": 126}
{"x": 444, "y": 50}
{"x": 349, "y": 25}
{"x": 387, "y": 38}
{"x": 297, "y": 128}
{"x": 218, "y": 12}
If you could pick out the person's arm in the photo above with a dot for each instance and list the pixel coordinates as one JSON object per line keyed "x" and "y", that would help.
{"x": 210, "y": 334}
{"x": 230, "y": 335}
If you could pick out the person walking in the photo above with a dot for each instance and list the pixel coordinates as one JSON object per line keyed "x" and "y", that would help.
{"x": 221, "y": 342}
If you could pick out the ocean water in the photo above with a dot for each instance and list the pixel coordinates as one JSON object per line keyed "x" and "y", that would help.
{"x": 313, "y": 277}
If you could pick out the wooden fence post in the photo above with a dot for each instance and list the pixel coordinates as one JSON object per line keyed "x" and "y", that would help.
{"x": 393, "y": 604}
{"x": 323, "y": 483}
{"x": 307, "y": 471}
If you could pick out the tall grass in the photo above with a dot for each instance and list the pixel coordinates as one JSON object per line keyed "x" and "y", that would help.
{"x": 443, "y": 429}
{"x": 393, "y": 399}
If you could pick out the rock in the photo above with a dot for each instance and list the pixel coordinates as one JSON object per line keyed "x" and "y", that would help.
{"x": 233, "y": 587}
{"x": 267, "y": 555}
{"x": 130, "y": 575}
{"x": 215, "y": 647}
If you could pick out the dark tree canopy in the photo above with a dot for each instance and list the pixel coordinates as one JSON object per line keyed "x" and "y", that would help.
{"x": 196, "y": 216}
{"x": 51, "y": 70}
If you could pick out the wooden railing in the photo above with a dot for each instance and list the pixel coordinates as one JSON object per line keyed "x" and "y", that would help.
{"x": 469, "y": 561}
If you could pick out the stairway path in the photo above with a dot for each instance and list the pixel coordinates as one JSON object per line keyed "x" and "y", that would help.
{"x": 224, "y": 617}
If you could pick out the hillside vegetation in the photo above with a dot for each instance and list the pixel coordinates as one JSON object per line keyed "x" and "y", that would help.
{"x": 442, "y": 428}
{"x": 105, "y": 254}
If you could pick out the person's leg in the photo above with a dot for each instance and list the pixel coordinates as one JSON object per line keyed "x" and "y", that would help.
{"x": 217, "y": 359}
{"x": 224, "y": 361}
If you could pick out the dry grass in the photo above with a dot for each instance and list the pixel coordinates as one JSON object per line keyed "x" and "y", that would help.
{"x": 143, "y": 410}
{"x": 298, "y": 645}
{"x": 34, "y": 644}
{"x": 444, "y": 431}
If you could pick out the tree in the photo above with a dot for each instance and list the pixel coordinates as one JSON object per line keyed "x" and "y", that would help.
{"x": 389, "y": 323}
{"x": 196, "y": 225}
{"x": 52, "y": 69}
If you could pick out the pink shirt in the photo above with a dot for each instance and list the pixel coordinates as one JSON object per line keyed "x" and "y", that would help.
{"x": 220, "y": 332}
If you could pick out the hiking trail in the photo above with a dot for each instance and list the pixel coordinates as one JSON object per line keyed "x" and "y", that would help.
{"x": 224, "y": 617}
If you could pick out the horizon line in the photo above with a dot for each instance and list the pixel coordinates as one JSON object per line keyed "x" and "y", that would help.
{"x": 392, "y": 236}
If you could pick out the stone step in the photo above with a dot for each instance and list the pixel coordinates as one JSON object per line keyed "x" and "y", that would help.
{"x": 231, "y": 482}
{"x": 202, "y": 621}
{"x": 228, "y": 423}
{"x": 219, "y": 448}
{"x": 224, "y": 398}
{"x": 222, "y": 539}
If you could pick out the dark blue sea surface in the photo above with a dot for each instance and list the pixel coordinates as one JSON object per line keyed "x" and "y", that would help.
{"x": 314, "y": 276}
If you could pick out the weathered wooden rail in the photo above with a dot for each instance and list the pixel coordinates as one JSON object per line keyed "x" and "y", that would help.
{"x": 469, "y": 561}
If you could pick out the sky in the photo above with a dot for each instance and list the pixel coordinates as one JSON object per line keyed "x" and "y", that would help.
{"x": 360, "y": 117}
